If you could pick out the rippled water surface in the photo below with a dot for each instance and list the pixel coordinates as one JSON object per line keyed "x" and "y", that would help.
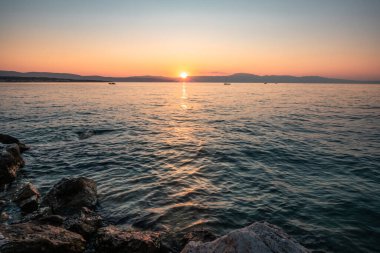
{"x": 170, "y": 156}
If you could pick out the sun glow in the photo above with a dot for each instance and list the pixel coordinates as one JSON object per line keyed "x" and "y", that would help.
{"x": 183, "y": 75}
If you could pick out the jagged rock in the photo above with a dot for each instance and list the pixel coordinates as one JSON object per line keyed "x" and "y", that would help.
{"x": 35, "y": 238}
{"x": 38, "y": 214}
{"x": 112, "y": 239}
{"x": 10, "y": 162}
{"x": 85, "y": 223}
{"x": 260, "y": 237}
{"x": 54, "y": 220}
{"x": 69, "y": 195}
{"x": 27, "y": 198}
{"x": 7, "y": 139}
{"x": 198, "y": 235}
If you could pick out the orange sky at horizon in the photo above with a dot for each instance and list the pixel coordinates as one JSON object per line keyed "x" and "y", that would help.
{"x": 148, "y": 42}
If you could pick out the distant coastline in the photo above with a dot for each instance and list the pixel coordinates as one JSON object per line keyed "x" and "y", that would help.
{"x": 15, "y": 79}
{"x": 13, "y": 76}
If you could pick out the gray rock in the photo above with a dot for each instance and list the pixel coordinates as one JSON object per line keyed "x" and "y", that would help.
{"x": 7, "y": 139}
{"x": 112, "y": 239}
{"x": 10, "y": 162}
{"x": 35, "y": 238}
{"x": 260, "y": 237}
{"x": 69, "y": 195}
{"x": 27, "y": 198}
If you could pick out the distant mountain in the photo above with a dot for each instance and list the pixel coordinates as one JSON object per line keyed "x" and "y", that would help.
{"x": 13, "y": 76}
{"x": 40, "y": 79}
{"x": 74, "y": 77}
{"x": 250, "y": 78}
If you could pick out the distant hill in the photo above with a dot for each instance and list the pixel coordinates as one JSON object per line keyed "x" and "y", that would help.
{"x": 40, "y": 79}
{"x": 13, "y": 76}
{"x": 75, "y": 78}
{"x": 250, "y": 78}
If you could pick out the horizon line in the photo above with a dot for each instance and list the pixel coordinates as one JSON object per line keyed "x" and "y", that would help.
{"x": 190, "y": 76}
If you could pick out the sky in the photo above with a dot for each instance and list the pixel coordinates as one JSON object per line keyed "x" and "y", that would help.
{"x": 332, "y": 38}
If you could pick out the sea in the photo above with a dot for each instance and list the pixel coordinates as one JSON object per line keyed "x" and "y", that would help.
{"x": 174, "y": 157}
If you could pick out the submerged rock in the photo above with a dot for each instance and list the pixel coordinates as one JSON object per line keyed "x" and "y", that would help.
{"x": 35, "y": 238}
{"x": 85, "y": 134}
{"x": 112, "y": 239}
{"x": 69, "y": 195}
{"x": 10, "y": 162}
{"x": 260, "y": 237}
{"x": 7, "y": 139}
{"x": 27, "y": 198}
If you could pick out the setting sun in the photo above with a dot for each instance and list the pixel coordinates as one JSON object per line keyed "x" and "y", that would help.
{"x": 183, "y": 75}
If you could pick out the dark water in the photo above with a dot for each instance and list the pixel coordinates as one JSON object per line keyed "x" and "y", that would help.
{"x": 172, "y": 157}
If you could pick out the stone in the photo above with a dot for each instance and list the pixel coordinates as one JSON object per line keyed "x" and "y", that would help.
{"x": 85, "y": 223}
{"x": 53, "y": 219}
{"x": 7, "y": 139}
{"x": 260, "y": 237}
{"x": 4, "y": 216}
{"x": 198, "y": 235}
{"x": 10, "y": 162}
{"x": 69, "y": 195}
{"x": 27, "y": 198}
{"x": 36, "y": 238}
{"x": 38, "y": 214}
{"x": 112, "y": 239}
{"x": 2, "y": 203}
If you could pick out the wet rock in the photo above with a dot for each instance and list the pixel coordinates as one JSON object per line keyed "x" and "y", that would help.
{"x": 4, "y": 216}
{"x": 85, "y": 223}
{"x": 69, "y": 195}
{"x": 38, "y": 214}
{"x": 7, "y": 139}
{"x": 2, "y": 203}
{"x": 260, "y": 237}
{"x": 35, "y": 238}
{"x": 85, "y": 134}
{"x": 112, "y": 239}
{"x": 198, "y": 235}
{"x": 53, "y": 219}
{"x": 10, "y": 162}
{"x": 27, "y": 198}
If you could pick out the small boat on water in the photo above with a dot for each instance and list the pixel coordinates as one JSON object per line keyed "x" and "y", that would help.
{"x": 227, "y": 83}
{"x": 111, "y": 83}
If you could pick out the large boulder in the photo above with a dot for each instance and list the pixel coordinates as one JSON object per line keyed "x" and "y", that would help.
{"x": 35, "y": 238}
{"x": 69, "y": 195}
{"x": 260, "y": 237}
{"x": 10, "y": 162}
{"x": 27, "y": 198}
{"x": 7, "y": 139}
{"x": 112, "y": 239}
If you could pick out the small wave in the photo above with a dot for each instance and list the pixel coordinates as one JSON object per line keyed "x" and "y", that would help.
{"x": 85, "y": 134}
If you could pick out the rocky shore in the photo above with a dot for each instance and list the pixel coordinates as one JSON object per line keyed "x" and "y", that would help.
{"x": 65, "y": 220}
